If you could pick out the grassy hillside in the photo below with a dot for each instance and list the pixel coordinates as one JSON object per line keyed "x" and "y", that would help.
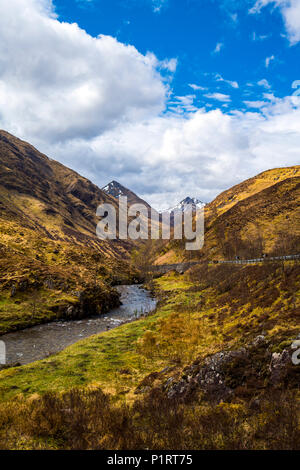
{"x": 51, "y": 259}
{"x": 211, "y": 368}
{"x": 260, "y": 215}
{"x": 208, "y": 309}
{"x": 147, "y": 363}
{"x": 46, "y": 196}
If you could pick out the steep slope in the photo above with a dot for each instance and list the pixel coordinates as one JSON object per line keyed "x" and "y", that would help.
{"x": 260, "y": 215}
{"x": 116, "y": 190}
{"x": 46, "y": 195}
{"x": 50, "y": 255}
{"x": 265, "y": 222}
{"x": 252, "y": 186}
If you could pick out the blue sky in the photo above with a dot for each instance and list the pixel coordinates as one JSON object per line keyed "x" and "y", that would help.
{"x": 171, "y": 98}
{"x": 211, "y": 40}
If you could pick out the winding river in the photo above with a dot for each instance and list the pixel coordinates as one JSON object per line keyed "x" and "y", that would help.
{"x": 41, "y": 341}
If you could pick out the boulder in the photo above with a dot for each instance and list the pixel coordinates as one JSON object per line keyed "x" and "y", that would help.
{"x": 210, "y": 377}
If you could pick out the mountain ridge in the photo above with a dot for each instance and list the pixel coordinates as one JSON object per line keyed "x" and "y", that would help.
{"x": 258, "y": 215}
{"x": 52, "y": 264}
{"x": 186, "y": 202}
{"x": 116, "y": 189}
{"x": 64, "y": 202}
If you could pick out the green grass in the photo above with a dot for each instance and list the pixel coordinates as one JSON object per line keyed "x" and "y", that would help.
{"x": 98, "y": 360}
{"x": 29, "y": 261}
{"x": 191, "y": 322}
{"x": 31, "y": 308}
{"x": 94, "y": 361}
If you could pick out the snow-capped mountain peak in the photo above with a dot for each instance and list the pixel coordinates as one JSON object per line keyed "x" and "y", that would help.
{"x": 187, "y": 204}
{"x": 114, "y": 189}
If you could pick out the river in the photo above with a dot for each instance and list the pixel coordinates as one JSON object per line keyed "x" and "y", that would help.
{"x": 38, "y": 342}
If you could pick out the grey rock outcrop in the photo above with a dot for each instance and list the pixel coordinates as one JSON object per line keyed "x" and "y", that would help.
{"x": 210, "y": 377}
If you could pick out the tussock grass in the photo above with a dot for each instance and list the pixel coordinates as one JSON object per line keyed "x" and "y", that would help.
{"x": 201, "y": 314}
{"x": 89, "y": 419}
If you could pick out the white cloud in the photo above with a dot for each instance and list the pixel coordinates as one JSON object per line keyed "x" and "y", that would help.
{"x": 169, "y": 64}
{"x": 260, "y": 4}
{"x": 59, "y": 82}
{"x": 183, "y": 104}
{"x": 97, "y": 106}
{"x": 218, "y": 97}
{"x": 290, "y": 10}
{"x": 218, "y": 48}
{"x": 269, "y": 96}
{"x": 233, "y": 84}
{"x": 264, "y": 83}
{"x": 171, "y": 156}
{"x": 255, "y": 104}
{"x": 269, "y": 60}
{"x": 197, "y": 87}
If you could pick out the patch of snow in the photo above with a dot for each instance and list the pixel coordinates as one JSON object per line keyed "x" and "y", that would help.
{"x": 186, "y": 204}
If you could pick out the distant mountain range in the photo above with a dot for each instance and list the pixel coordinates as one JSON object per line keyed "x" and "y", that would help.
{"x": 259, "y": 215}
{"x": 52, "y": 264}
{"x": 51, "y": 259}
{"x": 116, "y": 190}
{"x": 187, "y": 204}
{"x": 45, "y": 196}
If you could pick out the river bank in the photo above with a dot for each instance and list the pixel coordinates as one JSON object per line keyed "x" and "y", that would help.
{"x": 39, "y": 342}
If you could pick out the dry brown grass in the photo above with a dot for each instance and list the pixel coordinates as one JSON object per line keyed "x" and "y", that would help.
{"x": 89, "y": 420}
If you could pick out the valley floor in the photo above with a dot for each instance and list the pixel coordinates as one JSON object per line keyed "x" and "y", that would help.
{"x": 238, "y": 320}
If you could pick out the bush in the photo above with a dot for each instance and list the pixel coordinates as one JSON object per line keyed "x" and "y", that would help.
{"x": 87, "y": 419}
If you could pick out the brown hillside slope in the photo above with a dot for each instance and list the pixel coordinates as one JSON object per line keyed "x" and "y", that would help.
{"x": 49, "y": 196}
{"x": 116, "y": 189}
{"x": 252, "y": 186}
{"x": 48, "y": 245}
{"x": 260, "y": 215}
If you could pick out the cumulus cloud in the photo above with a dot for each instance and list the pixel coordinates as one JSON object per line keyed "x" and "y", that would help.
{"x": 219, "y": 97}
{"x": 269, "y": 96}
{"x": 105, "y": 110}
{"x": 290, "y": 10}
{"x": 170, "y": 156}
{"x": 232, "y": 83}
{"x": 183, "y": 104}
{"x": 264, "y": 83}
{"x": 197, "y": 87}
{"x": 58, "y": 82}
{"x": 255, "y": 104}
